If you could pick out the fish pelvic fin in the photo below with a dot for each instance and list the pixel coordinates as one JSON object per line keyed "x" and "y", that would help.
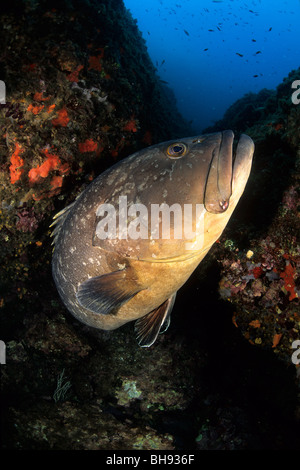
{"x": 155, "y": 322}
{"x": 107, "y": 293}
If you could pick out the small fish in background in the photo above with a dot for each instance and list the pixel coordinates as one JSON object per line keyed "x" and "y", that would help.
{"x": 240, "y": 55}
{"x": 206, "y": 49}
{"x": 186, "y": 32}
{"x": 162, "y": 63}
{"x": 258, "y": 52}
{"x": 105, "y": 281}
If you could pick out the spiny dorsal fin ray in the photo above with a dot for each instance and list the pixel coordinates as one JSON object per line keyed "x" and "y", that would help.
{"x": 58, "y": 220}
{"x": 155, "y": 322}
{"x": 107, "y": 293}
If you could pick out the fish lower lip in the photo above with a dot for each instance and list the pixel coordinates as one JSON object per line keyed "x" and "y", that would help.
{"x": 225, "y": 164}
{"x": 234, "y": 148}
{"x": 219, "y": 179}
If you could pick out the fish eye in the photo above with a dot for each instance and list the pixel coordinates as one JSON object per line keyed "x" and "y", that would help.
{"x": 176, "y": 150}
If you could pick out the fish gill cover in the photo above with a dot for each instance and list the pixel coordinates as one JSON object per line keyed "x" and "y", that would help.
{"x": 82, "y": 93}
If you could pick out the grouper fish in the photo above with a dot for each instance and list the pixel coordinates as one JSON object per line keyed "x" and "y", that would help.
{"x": 115, "y": 262}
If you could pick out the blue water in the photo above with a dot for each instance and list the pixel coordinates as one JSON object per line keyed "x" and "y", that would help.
{"x": 206, "y": 83}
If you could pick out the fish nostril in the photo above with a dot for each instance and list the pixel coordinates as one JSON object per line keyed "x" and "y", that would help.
{"x": 199, "y": 140}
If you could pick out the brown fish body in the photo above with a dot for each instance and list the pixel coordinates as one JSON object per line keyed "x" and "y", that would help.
{"x": 106, "y": 282}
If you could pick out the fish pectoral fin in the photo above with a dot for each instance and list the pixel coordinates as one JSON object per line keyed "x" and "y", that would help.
{"x": 107, "y": 293}
{"x": 155, "y": 322}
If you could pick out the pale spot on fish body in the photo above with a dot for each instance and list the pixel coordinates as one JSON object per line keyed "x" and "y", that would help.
{"x": 122, "y": 178}
{"x": 143, "y": 184}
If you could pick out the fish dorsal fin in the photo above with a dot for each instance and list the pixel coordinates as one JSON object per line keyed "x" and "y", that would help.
{"x": 107, "y": 293}
{"x": 58, "y": 220}
{"x": 155, "y": 322}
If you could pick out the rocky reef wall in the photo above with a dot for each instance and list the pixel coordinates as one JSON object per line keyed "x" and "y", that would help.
{"x": 260, "y": 274}
{"x": 81, "y": 93}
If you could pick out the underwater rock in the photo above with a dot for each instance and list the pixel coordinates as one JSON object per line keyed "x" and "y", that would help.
{"x": 83, "y": 96}
{"x": 81, "y": 93}
{"x": 264, "y": 287}
{"x": 246, "y": 111}
{"x": 60, "y": 427}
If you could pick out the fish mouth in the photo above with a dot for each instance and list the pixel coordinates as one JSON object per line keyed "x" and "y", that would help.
{"x": 228, "y": 171}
